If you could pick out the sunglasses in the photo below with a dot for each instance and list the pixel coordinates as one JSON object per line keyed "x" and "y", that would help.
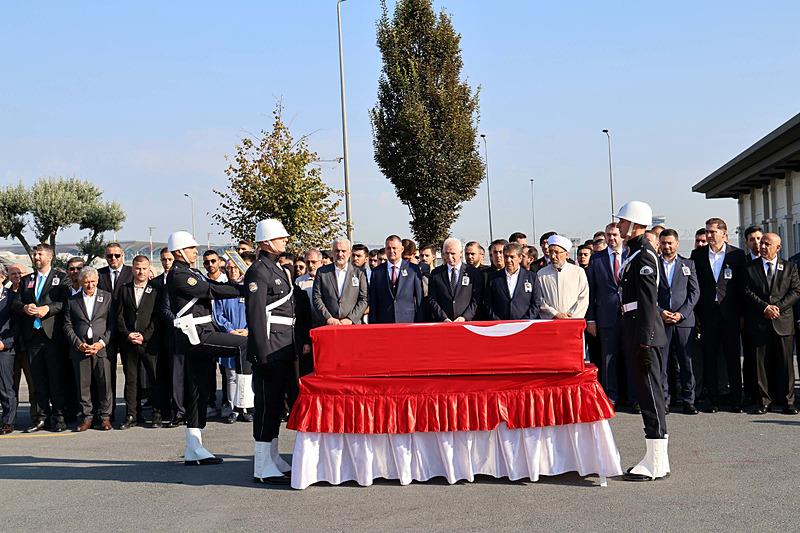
{"x": 74, "y": 269}
{"x": 209, "y": 261}
{"x": 113, "y": 256}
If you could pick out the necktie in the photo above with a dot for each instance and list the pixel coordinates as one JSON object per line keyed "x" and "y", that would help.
{"x": 394, "y": 275}
{"x": 453, "y": 279}
{"x": 770, "y": 275}
{"x": 113, "y": 279}
{"x": 616, "y": 267}
{"x": 37, "y": 322}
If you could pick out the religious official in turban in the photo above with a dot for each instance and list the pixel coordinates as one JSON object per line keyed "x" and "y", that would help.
{"x": 562, "y": 290}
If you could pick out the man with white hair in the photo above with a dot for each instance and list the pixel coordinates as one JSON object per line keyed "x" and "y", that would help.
{"x": 561, "y": 288}
{"x": 455, "y": 288}
{"x": 339, "y": 294}
{"x": 313, "y": 258}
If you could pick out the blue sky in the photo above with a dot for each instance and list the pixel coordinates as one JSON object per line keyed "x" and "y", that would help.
{"x": 146, "y": 99}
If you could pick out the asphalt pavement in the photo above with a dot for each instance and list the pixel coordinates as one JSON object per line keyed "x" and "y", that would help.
{"x": 730, "y": 472}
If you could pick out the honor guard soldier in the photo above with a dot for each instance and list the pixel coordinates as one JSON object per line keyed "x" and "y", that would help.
{"x": 196, "y": 337}
{"x": 643, "y": 335}
{"x": 271, "y": 341}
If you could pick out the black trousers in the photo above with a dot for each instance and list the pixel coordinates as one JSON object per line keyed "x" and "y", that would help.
{"x": 48, "y": 366}
{"x": 177, "y": 370}
{"x": 679, "y": 346}
{"x": 199, "y": 361}
{"x": 271, "y": 382}
{"x": 616, "y": 370}
{"x": 93, "y": 371}
{"x": 134, "y": 359}
{"x": 8, "y": 395}
{"x": 163, "y": 392}
{"x": 722, "y": 365}
{"x": 774, "y": 370}
{"x": 22, "y": 366}
{"x": 647, "y": 364}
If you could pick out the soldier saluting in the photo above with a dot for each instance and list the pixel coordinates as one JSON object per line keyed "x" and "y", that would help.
{"x": 197, "y": 338}
{"x": 643, "y": 334}
{"x": 270, "y": 314}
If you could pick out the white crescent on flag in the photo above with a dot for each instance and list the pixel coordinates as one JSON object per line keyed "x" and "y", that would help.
{"x": 502, "y": 330}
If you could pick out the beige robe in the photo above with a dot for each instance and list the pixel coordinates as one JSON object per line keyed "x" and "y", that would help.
{"x": 561, "y": 292}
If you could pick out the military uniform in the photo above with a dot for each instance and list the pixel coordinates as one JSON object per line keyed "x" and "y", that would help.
{"x": 190, "y": 294}
{"x": 270, "y": 309}
{"x": 643, "y": 332}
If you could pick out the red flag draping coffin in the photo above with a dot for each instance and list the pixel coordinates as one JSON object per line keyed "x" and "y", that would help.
{"x": 507, "y": 347}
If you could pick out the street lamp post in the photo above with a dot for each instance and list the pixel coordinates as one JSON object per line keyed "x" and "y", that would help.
{"x": 151, "y": 228}
{"x": 347, "y": 206}
{"x": 194, "y": 233}
{"x": 533, "y": 214}
{"x": 610, "y": 175}
{"x": 488, "y": 190}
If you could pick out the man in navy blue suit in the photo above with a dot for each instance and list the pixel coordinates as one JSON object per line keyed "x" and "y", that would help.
{"x": 603, "y": 315}
{"x": 395, "y": 288}
{"x": 678, "y": 293}
{"x": 454, "y": 289}
{"x": 509, "y": 292}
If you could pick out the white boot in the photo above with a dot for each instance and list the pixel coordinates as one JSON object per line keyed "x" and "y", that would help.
{"x": 264, "y": 468}
{"x": 195, "y": 453}
{"x": 655, "y": 464}
{"x": 282, "y": 465}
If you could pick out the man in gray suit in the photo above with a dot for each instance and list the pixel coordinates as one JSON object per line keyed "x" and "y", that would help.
{"x": 339, "y": 294}
{"x": 678, "y": 292}
{"x": 88, "y": 325}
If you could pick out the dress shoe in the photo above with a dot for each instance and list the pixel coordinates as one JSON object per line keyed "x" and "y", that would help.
{"x": 245, "y": 417}
{"x": 7, "y": 428}
{"x": 59, "y": 425}
{"x": 203, "y": 462}
{"x": 666, "y": 409}
{"x": 157, "y": 422}
{"x": 790, "y": 410}
{"x": 276, "y": 480}
{"x": 84, "y": 425}
{"x": 105, "y": 425}
{"x": 689, "y": 409}
{"x": 128, "y": 423}
{"x": 760, "y": 410}
{"x": 635, "y": 409}
{"x": 712, "y": 408}
{"x": 175, "y": 422}
{"x": 737, "y": 408}
{"x": 231, "y": 418}
{"x": 37, "y": 426}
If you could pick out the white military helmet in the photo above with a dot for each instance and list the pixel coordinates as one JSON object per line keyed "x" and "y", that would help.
{"x": 636, "y": 212}
{"x": 269, "y": 229}
{"x": 180, "y": 240}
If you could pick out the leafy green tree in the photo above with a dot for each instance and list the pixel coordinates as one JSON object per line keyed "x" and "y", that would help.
{"x": 57, "y": 203}
{"x": 98, "y": 219}
{"x": 15, "y": 202}
{"x": 425, "y": 121}
{"x": 273, "y": 177}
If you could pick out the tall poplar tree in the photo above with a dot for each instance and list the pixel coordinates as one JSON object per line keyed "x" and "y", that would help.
{"x": 425, "y": 121}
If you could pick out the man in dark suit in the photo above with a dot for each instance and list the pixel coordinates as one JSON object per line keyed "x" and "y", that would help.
{"x": 340, "y": 290}
{"x": 111, "y": 278}
{"x": 170, "y": 363}
{"x": 395, "y": 289}
{"x": 137, "y": 327}
{"x": 455, "y": 288}
{"x": 678, "y": 293}
{"x": 771, "y": 288}
{"x": 88, "y": 325}
{"x": 39, "y": 308}
{"x": 8, "y": 394}
{"x": 510, "y": 292}
{"x": 719, "y": 268}
{"x": 603, "y": 317}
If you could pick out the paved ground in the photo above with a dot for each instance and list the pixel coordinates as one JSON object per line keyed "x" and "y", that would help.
{"x": 730, "y": 473}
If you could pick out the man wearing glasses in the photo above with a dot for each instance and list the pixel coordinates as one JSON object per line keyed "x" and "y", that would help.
{"x": 111, "y": 278}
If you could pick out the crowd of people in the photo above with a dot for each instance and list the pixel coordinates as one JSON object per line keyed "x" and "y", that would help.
{"x": 728, "y": 316}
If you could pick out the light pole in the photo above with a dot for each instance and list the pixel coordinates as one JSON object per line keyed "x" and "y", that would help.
{"x": 151, "y": 228}
{"x": 533, "y": 214}
{"x": 347, "y": 207}
{"x": 610, "y": 175}
{"x": 488, "y": 190}
{"x": 191, "y": 200}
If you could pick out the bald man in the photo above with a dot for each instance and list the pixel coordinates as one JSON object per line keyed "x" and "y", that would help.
{"x": 771, "y": 288}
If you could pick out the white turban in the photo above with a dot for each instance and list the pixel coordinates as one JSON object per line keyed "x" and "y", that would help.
{"x": 558, "y": 240}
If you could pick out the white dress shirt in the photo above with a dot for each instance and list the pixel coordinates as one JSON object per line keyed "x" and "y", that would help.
{"x": 137, "y": 294}
{"x": 716, "y": 259}
{"x": 669, "y": 269}
{"x": 341, "y": 277}
{"x": 774, "y": 263}
{"x": 450, "y": 272}
{"x": 390, "y": 266}
{"x": 89, "y": 301}
{"x": 611, "y": 253}
{"x": 511, "y": 282}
